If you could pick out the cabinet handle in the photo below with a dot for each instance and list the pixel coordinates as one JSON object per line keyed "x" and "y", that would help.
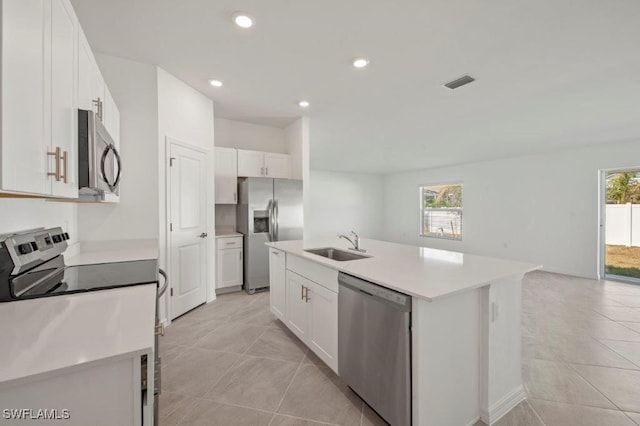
{"x": 65, "y": 166}
{"x": 262, "y": 171}
{"x": 98, "y": 104}
{"x": 301, "y": 292}
{"x": 306, "y": 295}
{"x": 275, "y": 252}
{"x": 56, "y": 155}
{"x": 235, "y": 196}
{"x": 266, "y": 171}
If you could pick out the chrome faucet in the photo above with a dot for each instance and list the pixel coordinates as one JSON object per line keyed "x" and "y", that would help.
{"x": 355, "y": 241}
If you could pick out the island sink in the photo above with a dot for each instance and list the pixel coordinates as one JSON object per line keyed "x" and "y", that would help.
{"x": 336, "y": 254}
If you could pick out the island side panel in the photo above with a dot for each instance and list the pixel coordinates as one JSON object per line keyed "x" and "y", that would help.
{"x": 446, "y": 364}
{"x": 502, "y": 386}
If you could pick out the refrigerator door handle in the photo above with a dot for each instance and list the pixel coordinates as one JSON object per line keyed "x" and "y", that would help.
{"x": 270, "y": 212}
{"x": 275, "y": 220}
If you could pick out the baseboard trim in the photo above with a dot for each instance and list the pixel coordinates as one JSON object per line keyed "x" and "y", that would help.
{"x": 502, "y": 407}
{"x": 474, "y": 421}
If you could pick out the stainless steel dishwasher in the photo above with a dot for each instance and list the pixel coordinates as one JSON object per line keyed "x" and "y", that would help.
{"x": 374, "y": 346}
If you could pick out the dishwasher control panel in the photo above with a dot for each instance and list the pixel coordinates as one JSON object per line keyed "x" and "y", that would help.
{"x": 374, "y": 290}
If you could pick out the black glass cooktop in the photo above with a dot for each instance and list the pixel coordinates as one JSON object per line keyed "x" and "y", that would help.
{"x": 53, "y": 279}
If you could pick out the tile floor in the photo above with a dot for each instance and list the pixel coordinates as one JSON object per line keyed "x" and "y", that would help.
{"x": 232, "y": 363}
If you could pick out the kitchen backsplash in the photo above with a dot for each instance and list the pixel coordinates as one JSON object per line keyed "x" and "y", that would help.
{"x": 225, "y": 216}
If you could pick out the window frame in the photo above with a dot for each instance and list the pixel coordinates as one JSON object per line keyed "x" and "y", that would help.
{"x": 423, "y": 209}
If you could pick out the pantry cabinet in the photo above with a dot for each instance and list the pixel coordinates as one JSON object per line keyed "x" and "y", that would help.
{"x": 39, "y": 79}
{"x": 226, "y": 176}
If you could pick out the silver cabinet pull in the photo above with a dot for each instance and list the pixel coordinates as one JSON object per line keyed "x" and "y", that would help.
{"x": 235, "y": 196}
{"x": 56, "y": 155}
{"x": 65, "y": 166}
{"x": 203, "y": 235}
{"x": 98, "y": 104}
{"x": 266, "y": 171}
{"x": 160, "y": 329}
{"x": 275, "y": 252}
{"x": 301, "y": 292}
{"x": 262, "y": 171}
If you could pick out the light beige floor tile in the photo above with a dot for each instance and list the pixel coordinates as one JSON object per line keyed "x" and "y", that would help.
{"x": 280, "y": 420}
{"x": 635, "y": 326}
{"x": 178, "y": 335}
{"x": 560, "y": 414}
{"x": 178, "y": 406}
{"x": 195, "y": 371}
{"x": 521, "y": 415}
{"x": 318, "y": 394}
{"x": 371, "y": 418}
{"x": 621, "y": 314}
{"x": 629, "y": 350}
{"x": 209, "y": 413}
{"x": 254, "y": 314}
{"x": 231, "y": 337}
{"x": 255, "y": 382}
{"x": 628, "y": 300}
{"x": 168, "y": 353}
{"x": 573, "y": 349}
{"x": 634, "y": 416}
{"x": 622, "y": 387}
{"x": 311, "y": 358}
{"x": 278, "y": 344}
{"x": 559, "y": 382}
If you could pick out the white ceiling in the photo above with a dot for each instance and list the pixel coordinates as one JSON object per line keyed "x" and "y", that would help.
{"x": 550, "y": 73}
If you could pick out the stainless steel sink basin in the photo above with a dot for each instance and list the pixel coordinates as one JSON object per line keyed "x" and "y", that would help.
{"x": 336, "y": 254}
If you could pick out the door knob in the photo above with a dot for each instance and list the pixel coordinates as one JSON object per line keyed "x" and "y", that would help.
{"x": 203, "y": 235}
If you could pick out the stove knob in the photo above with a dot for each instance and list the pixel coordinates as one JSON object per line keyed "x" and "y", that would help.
{"x": 57, "y": 238}
{"x": 25, "y": 248}
{"x": 65, "y": 236}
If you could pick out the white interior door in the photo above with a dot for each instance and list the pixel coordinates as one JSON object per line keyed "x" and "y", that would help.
{"x": 188, "y": 229}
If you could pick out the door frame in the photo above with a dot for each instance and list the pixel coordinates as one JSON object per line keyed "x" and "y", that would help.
{"x": 210, "y": 293}
{"x": 602, "y": 225}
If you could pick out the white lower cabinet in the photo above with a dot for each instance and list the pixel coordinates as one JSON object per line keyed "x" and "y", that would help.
{"x": 277, "y": 283}
{"x": 307, "y": 308}
{"x": 229, "y": 263}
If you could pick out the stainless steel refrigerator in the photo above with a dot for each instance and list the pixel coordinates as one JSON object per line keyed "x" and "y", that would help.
{"x": 268, "y": 210}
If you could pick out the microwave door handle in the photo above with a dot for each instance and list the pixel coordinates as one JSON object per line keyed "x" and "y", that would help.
{"x": 119, "y": 164}
{"x": 103, "y": 160}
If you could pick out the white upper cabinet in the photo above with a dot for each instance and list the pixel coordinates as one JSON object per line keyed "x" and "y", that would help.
{"x": 276, "y": 165}
{"x": 250, "y": 163}
{"x": 39, "y": 79}
{"x": 48, "y": 72}
{"x": 64, "y": 117}
{"x": 262, "y": 164}
{"x": 226, "y": 176}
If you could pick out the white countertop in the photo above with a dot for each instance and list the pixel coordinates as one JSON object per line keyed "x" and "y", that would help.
{"x": 87, "y": 253}
{"x": 418, "y": 271}
{"x": 50, "y": 333}
{"x": 227, "y": 232}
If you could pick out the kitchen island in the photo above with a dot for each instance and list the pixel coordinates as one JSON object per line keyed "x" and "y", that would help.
{"x": 465, "y": 332}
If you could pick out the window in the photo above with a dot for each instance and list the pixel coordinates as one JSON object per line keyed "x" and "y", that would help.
{"x": 441, "y": 211}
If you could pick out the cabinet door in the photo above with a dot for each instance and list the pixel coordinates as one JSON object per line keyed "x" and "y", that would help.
{"x": 24, "y": 154}
{"x": 297, "y": 315}
{"x": 229, "y": 268}
{"x": 86, "y": 67}
{"x": 323, "y": 324}
{"x": 226, "y": 163}
{"x": 277, "y": 283}
{"x": 276, "y": 165}
{"x": 250, "y": 163}
{"x": 64, "y": 117}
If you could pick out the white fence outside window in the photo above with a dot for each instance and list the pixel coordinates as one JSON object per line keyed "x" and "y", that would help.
{"x": 622, "y": 225}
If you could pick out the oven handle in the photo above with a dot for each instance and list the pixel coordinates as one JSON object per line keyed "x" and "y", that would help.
{"x": 103, "y": 160}
{"x": 166, "y": 282}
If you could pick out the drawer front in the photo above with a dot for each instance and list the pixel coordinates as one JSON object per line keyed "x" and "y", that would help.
{"x": 229, "y": 243}
{"x": 319, "y": 274}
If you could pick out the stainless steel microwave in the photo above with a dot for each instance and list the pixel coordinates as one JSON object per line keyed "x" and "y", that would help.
{"x": 99, "y": 162}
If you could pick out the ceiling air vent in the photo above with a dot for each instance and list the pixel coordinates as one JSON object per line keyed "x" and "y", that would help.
{"x": 459, "y": 82}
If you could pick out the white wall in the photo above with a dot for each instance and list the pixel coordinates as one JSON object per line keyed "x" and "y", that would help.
{"x": 344, "y": 202}
{"x": 19, "y": 214}
{"x": 185, "y": 115}
{"x": 241, "y": 135}
{"x": 134, "y": 89}
{"x": 540, "y": 208}
{"x": 294, "y": 142}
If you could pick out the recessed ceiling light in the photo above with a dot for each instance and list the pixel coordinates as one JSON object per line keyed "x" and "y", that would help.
{"x": 304, "y": 104}
{"x": 243, "y": 20}
{"x": 215, "y": 83}
{"x": 360, "y": 62}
